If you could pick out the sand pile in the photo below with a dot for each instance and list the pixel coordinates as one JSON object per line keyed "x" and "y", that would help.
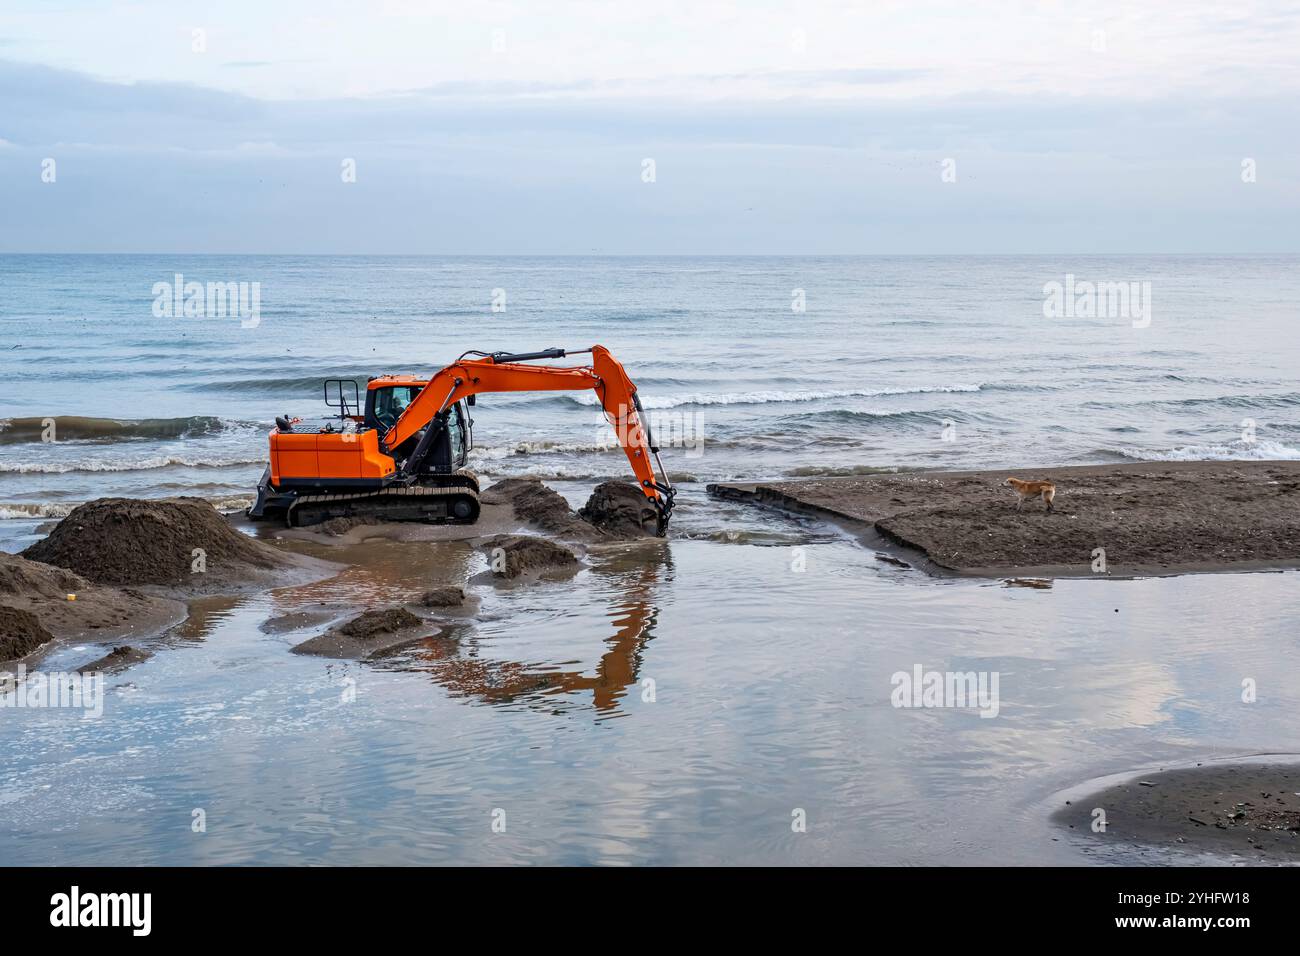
{"x": 176, "y": 542}
{"x": 386, "y": 621}
{"x": 542, "y": 507}
{"x": 20, "y": 633}
{"x": 448, "y": 596}
{"x": 620, "y": 510}
{"x": 22, "y": 577}
{"x": 512, "y": 556}
{"x": 119, "y": 658}
{"x": 372, "y": 631}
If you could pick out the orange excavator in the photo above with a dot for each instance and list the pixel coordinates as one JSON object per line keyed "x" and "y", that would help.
{"x": 402, "y": 457}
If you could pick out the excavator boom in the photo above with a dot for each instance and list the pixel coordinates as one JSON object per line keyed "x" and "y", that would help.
{"x": 501, "y": 372}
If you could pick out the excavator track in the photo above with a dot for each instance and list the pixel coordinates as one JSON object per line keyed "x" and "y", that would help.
{"x": 453, "y": 500}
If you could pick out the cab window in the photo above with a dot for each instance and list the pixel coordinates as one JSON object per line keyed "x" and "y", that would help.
{"x": 391, "y": 402}
{"x": 454, "y": 429}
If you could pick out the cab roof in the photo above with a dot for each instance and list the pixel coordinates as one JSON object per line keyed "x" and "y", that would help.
{"x": 385, "y": 381}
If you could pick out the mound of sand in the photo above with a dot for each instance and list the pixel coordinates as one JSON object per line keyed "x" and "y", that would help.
{"x": 95, "y": 611}
{"x": 370, "y": 632}
{"x": 448, "y": 596}
{"x": 179, "y": 543}
{"x": 20, "y": 633}
{"x": 620, "y": 510}
{"x": 542, "y": 507}
{"x": 514, "y": 555}
{"x": 337, "y": 527}
{"x": 119, "y": 658}
{"x": 385, "y": 621}
{"x": 19, "y": 576}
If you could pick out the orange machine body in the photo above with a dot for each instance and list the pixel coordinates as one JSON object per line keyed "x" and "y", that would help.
{"x": 333, "y": 455}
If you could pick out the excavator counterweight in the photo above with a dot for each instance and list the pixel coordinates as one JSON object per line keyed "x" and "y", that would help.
{"x": 402, "y": 457}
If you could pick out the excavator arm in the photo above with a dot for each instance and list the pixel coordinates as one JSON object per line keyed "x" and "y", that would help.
{"x": 500, "y": 372}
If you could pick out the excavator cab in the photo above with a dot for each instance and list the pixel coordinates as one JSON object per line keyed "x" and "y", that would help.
{"x": 388, "y": 397}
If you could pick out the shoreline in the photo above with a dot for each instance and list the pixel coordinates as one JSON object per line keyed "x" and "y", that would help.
{"x": 1242, "y": 809}
{"x": 1149, "y": 518}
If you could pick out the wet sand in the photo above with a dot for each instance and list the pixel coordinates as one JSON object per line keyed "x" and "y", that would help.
{"x": 123, "y": 568}
{"x": 1247, "y": 810}
{"x": 66, "y": 607}
{"x": 1150, "y": 518}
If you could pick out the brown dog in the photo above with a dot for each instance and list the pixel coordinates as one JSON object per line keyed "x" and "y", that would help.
{"x": 1033, "y": 489}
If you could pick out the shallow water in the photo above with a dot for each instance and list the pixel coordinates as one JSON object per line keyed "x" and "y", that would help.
{"x": 771, "y": 694}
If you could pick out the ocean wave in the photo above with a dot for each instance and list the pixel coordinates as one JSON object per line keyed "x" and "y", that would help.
{"x": 498, "y": 452}
{"x": 63, "y": 509}
{"x": 1285, "y": 400}
{"x": 580, "y": 473}
{"x": 821, "y": 420}
{"x": 771, "y": 397}
{"x": 834, "y": 471}
{"x": 41, "y": 510}
{"x": 14, "y": 431}
{"x": 232, "y": 503}
{"x": 1234, "y": 451}
{"x": 306, "y": 386}
{"x": 143, "y": 464}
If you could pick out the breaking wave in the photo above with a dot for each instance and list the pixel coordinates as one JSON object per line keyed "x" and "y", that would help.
{"x": 24, "y": 510}
{"x": 303, "y": 386}
{"x": 1234, "y": 451}
{"x": 143, "y": 464}
{"x": 833, "y": 471}
{"x": 15, "y": 431}
{"x": 63, "y": 509}
{"x": 498, "y": 452}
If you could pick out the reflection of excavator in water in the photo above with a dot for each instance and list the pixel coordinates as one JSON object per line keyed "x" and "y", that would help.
{"x": 458, "y": 663}
{"x": 403, "y": 457}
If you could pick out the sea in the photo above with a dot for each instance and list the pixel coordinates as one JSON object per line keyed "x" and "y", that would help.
{"x": 728, "y": 701}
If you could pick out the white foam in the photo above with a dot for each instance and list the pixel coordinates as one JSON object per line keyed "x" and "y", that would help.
{"x": 1235, "y": 451}
{"x": 498, "y": 452}
{"x": 63, "y": 509}
{"x": 142, "y": 464}
{"x": 21, "y": 510}
{"x": 773, "y": 397}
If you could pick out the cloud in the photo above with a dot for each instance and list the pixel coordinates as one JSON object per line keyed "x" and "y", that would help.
{"x": 150, "y": 166}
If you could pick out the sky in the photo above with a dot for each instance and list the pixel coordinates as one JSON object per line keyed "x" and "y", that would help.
{"x": 403, "y": 126}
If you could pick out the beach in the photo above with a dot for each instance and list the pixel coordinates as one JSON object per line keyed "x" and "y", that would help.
{"x": 1138, "y": 518}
